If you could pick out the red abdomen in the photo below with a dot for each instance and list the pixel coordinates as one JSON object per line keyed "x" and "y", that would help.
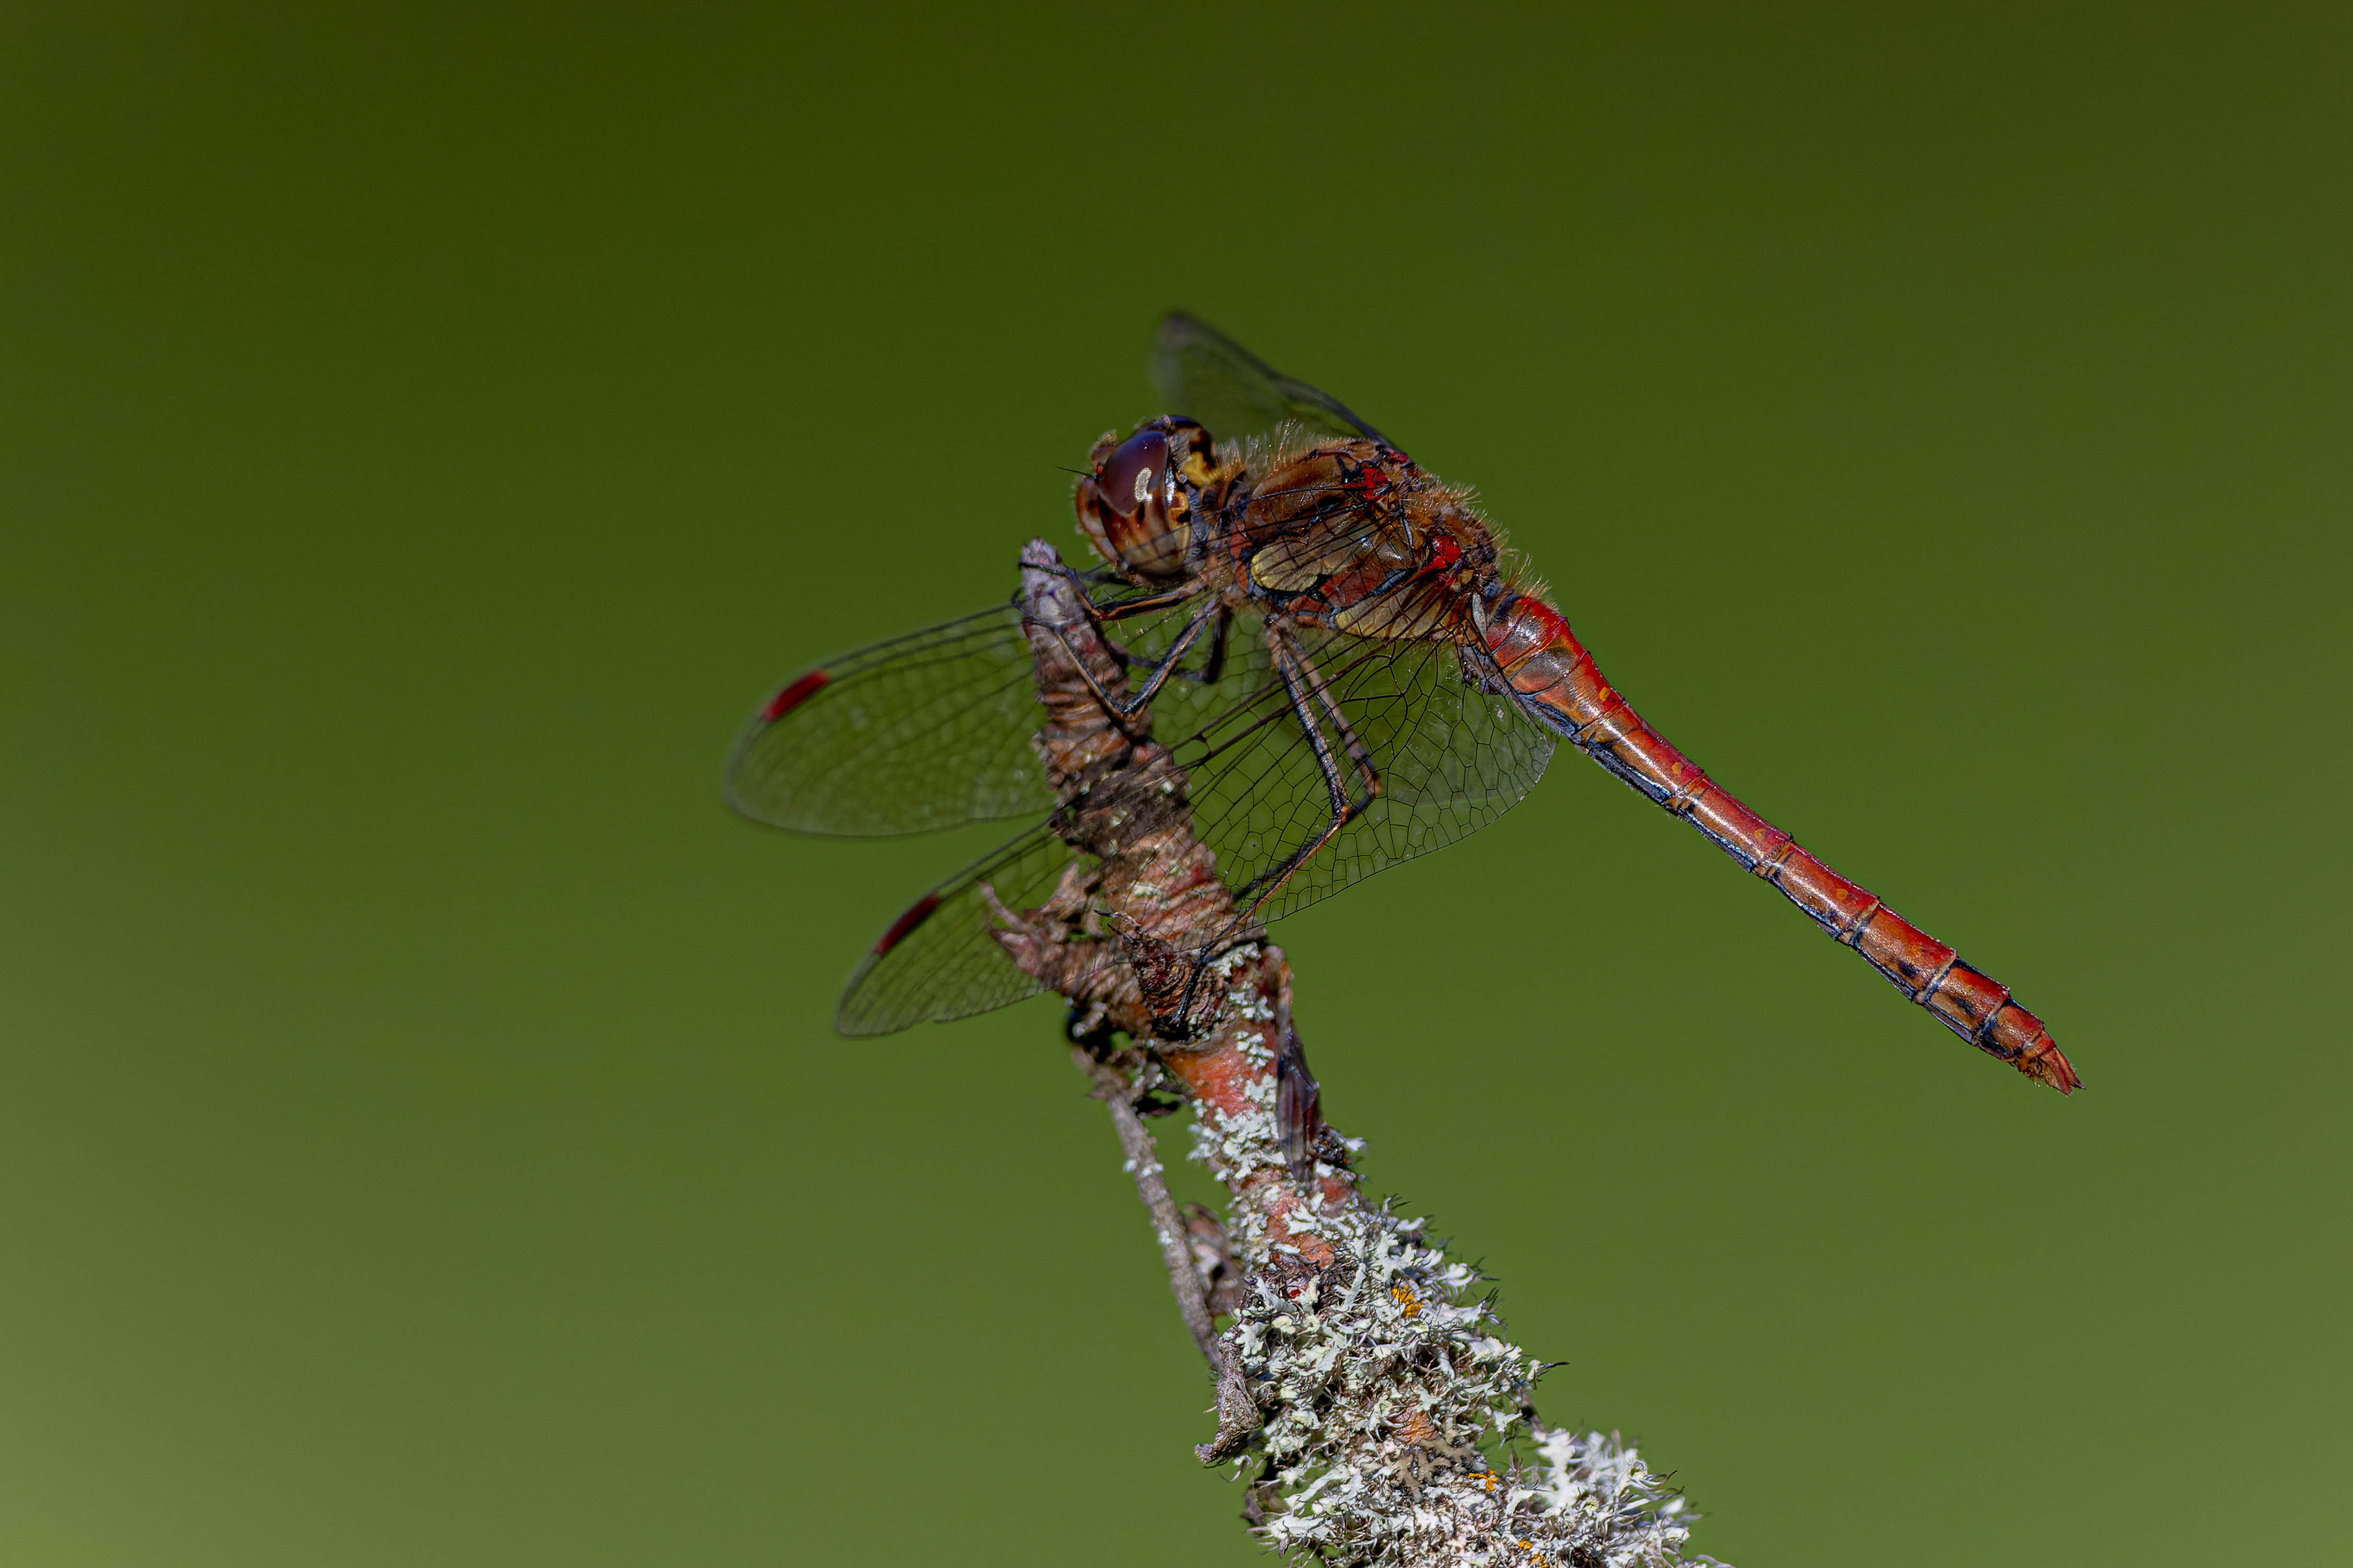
{"x": 1554, "y": 676}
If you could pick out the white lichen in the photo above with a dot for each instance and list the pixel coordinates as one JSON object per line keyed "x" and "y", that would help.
{"x": 1398, "y": 1423}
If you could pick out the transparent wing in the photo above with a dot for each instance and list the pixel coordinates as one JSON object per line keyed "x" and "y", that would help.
{"x": 1204, "y": 375}
{"x": 1451, "y": 756}
{"x": 930, "y": 729}
{"x": 938, "y": 961}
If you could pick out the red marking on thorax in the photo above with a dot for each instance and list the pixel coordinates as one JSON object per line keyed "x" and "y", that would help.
{"x": 793, "y": 696}
{"x": 907, "y": 922}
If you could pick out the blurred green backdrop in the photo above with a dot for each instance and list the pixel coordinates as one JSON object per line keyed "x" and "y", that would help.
{"x": 428, "y": 432}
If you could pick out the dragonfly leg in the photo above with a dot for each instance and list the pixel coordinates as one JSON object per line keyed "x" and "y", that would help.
{"x": 1128, "y": 609}
{"x": 1298, "y": 671}
{"x": 1100, "y": 616}
{"x": 1182, "y": 643}
{"x": 1123, "y": 709}
{"x": 1214, "y": 667}
{"x": 1310, "y": 696}
{"x": 1322, "y": 689}
{"x": 1103, "y": 615}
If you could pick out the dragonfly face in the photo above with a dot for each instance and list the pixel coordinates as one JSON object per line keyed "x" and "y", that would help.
{"x": 1137, "y": 505}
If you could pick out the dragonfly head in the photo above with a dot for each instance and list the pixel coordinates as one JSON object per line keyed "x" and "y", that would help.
{"x": 1143, "y": 492}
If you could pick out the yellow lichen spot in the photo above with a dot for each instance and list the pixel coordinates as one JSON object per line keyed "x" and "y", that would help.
{"x": 1405, "y": 1299}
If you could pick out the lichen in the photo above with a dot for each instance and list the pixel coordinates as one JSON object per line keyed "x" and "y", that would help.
{"x": 1397, "y": 1424}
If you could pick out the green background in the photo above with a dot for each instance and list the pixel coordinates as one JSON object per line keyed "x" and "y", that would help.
{"x": 429, "y": 433}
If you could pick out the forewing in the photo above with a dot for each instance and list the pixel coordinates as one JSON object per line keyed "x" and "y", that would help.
{"x": 1204, "y": 375}
{"x": 1452, "y": 757}
{"x": 927, "y": 731}
{"x": 939, "y": 960}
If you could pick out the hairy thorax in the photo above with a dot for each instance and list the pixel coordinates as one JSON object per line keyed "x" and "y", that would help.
{"x": 1352, "y": 535}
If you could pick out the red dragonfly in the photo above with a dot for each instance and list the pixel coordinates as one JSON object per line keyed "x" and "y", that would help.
{"x": 1360, "y": 673}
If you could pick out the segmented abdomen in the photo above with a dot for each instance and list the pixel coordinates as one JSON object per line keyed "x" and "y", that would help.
{"x": 1554, "y": 676}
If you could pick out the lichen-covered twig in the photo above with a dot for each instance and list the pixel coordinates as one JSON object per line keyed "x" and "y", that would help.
{"x": 1365, "y": 1382}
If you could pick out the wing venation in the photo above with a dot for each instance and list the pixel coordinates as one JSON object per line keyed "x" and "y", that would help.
{"x": 939, "y": 960}
{"x": 1203, "y": 374}
{"x": 923, "y": 731}
{"x": 1452, "y": 757}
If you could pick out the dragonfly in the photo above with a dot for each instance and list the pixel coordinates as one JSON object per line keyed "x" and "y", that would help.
{"x": 1340, "y": 655}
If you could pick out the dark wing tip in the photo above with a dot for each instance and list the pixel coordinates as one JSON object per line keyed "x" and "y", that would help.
{"x": 793, "y": 695}
{"x": 856, "y": 1014}
{"x": 916, "y": 915}
{"x": 790, "y": 697}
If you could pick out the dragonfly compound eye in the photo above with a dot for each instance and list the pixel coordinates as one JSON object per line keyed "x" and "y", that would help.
{"x": 1131, "y": 476}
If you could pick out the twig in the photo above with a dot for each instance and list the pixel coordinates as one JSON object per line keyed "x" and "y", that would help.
{"x": 1116, "y": 1088}
{"x": 1382, "y": 1416}
{"x": 1116, "y": 1085}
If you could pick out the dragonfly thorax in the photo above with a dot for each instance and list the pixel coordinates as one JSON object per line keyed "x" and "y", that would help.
{"x": 1333, "y": 531}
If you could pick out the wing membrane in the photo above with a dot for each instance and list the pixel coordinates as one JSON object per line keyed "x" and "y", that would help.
{"x": 1204, "y": 375}
{"x": 1451, "y": 758}
{"x": 939, "y": 960}
{"x": 927, "y": 731}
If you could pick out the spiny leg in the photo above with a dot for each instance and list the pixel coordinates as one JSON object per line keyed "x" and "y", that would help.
{"x": 1339, "y": 722}
{"x": 1214, "y": 667}
{"x": 1122, "y": 710}
{"x": 1305, "y": 685}
{"x": 1102, "y": 616}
